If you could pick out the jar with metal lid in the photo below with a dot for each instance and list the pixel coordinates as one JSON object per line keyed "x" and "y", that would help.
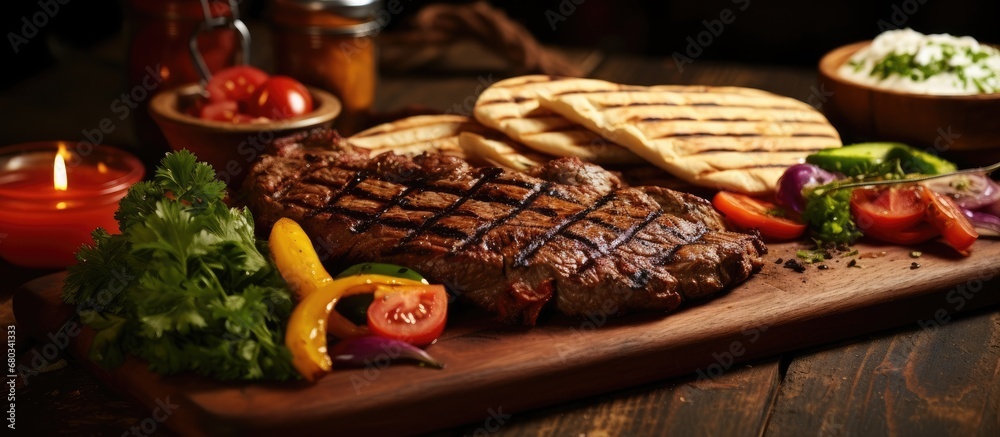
{"x": 330, "y": 44}
{"x": 160, "y": 58}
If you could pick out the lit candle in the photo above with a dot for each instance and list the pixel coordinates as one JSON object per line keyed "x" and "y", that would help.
{"x": 52, "y": 196}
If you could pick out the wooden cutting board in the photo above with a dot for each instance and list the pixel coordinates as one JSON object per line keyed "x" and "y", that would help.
{"x": 494, "y": 371}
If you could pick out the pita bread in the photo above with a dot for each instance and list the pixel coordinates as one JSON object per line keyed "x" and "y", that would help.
{"x": 500, "y": 152}
{"x": 719, "y": 137}
{"x": 415, "y": 135}
{"x": 511, "y": 106}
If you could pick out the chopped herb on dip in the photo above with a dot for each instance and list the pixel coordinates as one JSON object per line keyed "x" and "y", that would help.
{"x": 909, "y": 61}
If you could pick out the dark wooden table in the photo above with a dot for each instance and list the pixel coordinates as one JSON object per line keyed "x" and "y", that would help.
{"x": 910, "y": 381}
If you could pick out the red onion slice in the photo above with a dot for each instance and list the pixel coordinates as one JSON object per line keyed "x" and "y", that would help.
{"x": 986, "y": 224}
{"x": 797, "y": 178}
{"x": 378, "y": 351}
{"x": 970, "y": 191}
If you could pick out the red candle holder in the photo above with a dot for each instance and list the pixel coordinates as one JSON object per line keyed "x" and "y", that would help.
{"x": 42, "y": 226}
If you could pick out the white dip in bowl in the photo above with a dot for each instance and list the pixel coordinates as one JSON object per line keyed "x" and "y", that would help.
{"x": 909, "y": 61}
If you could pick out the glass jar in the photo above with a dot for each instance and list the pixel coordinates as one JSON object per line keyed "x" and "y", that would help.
{"x": 160, "y": 57}
{"x": 330, "y": 44}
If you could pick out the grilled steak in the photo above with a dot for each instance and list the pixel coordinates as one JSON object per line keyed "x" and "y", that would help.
{"x": 567, "y": 233}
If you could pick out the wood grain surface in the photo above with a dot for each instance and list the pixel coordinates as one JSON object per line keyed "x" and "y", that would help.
{"x": 895, "y": 385}
{"x": 735, "y": 403}
{"x": 495, "y": 370}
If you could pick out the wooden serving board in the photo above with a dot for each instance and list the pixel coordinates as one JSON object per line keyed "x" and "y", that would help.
{"x": 494, "y": 371}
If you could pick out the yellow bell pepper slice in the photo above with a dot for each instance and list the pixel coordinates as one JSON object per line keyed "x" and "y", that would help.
{"x": 305, "y": 334}
{"x": 318, "y": 294}
{"x": 296, "y": 259}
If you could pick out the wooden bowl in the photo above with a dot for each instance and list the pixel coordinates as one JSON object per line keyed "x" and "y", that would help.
{"x": 231, "y": 147}
{"x": 965, "y": 128}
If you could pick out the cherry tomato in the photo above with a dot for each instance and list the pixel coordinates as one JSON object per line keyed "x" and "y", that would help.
{"x": 234, "y": 83}
{"x": 414, "y": 314}
{"x": 749, "y": 213}
{"x": 279, "y": 98}
{"x": 918, "y": 233}
{"x": 887, "y": 209}
{"x": 947, "y": 218}
{"x": 225, "y": 110}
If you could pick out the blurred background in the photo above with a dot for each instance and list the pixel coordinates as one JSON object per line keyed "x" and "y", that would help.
{"x": 789, "y": 32}
{"x": 67, "y": 63}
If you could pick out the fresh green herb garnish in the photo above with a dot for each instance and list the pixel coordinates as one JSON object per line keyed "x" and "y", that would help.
{"x": 776, "y": 212}
{"x": 894, "y": 64}
{"x": 908, "y": 66}
{"x": 186, "y": 285}
{"x": 828, "y": 212}
{"x": 828, "y": 207}
{"x": 857, "y": 65}
{"x": 813, "y": 255}
{"x": 960, "y": 184}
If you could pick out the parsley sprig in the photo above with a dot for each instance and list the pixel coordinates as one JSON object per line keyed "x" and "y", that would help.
{"x": 186, "y": 285}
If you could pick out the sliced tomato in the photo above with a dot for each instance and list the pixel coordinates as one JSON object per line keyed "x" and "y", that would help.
{"x": 948, "y": 219}
{"x": 225, "y": 110}
{"x": 887, "y": 209}
{"x": 234, "y": 83}
{"x": 749, "y": 213}
{"x": 918, "y": 233}
{"x": 414, "y": 314}
{"x": 279, "y": 98}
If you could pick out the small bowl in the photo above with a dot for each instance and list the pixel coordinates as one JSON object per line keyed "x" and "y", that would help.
{"x": 231, "y": 147}
{"x": 965, "y": 128}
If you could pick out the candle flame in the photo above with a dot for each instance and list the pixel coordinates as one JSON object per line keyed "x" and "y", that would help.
{"x": 59, "y": 173}
{"x": 64, "y": 151}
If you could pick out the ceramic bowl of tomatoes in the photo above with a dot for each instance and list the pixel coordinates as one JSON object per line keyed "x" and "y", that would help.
{"x": 239, "y": 112}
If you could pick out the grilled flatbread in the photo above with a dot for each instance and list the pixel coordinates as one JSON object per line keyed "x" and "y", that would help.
{"x": 500, "y": 152}
{"x": 719, "y": 137}
{"x": 511, "y": 106}
{"x": 415, "y": 135}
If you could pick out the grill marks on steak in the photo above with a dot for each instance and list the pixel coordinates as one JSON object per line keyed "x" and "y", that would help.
{"x": 508, "y": 241}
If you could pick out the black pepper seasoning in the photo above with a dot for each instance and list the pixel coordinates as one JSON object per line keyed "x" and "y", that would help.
{"x": 794, "y": 265}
